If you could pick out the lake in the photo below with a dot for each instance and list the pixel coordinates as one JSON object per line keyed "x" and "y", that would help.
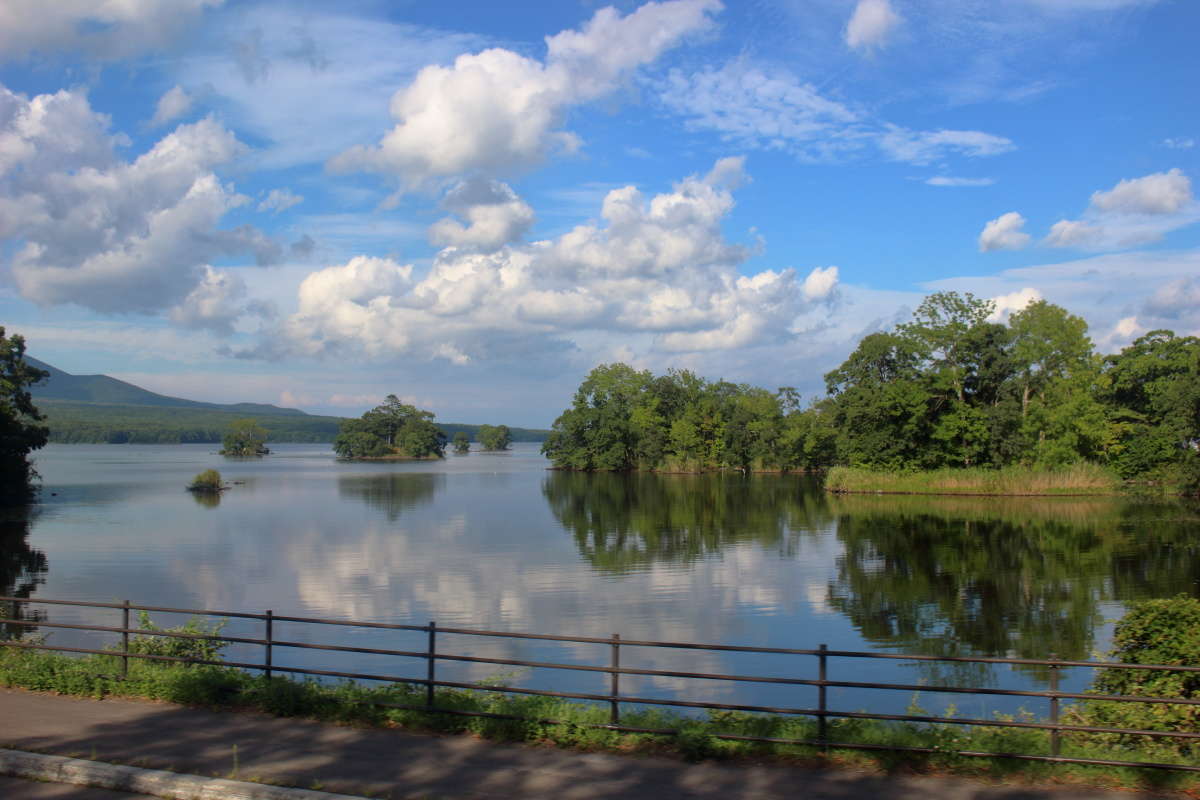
{"x": 498, "y": 541}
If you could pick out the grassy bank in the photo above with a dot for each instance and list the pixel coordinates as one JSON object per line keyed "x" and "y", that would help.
{"x": 697, "y": 738}
{"x": 1078, "y": 479}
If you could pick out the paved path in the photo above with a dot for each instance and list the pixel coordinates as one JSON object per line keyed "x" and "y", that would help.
{"x": 396, "y": 764}
{"x": 18, "y": 789}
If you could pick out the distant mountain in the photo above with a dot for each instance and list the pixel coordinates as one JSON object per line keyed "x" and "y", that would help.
{"x": 64, "y": 386}
{"x": 97, "y": 408}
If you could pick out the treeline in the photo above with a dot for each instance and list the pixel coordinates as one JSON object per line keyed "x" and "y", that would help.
{"x": 949, "y": 388}
{"x": 92, "y": 423}
{"x": 100, "y": 423}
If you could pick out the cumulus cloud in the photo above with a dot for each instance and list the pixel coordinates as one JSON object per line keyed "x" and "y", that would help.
{"x": 820, "y": 283}
{"x": 174, "y": 103}
{"x": 497, "y": 110}
{"x": 92, "y": 229}
{"x": 99, "y": 28}
{"x": 772, "y": 109}
{"x": 495, "y": 216}
{"x": 657, "y": 269}
{"x": 1007, "y": 304}
{"x": 1004, "y": 233}
{"x": 870, "y": 25}
{"x": 216, "y": 303}
{"x": 1135, "y": 211}
{"x": 280, "y": 200}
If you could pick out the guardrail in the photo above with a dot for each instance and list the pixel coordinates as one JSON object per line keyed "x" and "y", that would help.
{"x": 615, "y": 669}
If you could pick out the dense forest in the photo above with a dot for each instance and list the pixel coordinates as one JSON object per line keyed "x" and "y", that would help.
{"x": 949, "y": 388}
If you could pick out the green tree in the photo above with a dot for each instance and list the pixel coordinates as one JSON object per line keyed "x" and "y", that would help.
{"x": 20, "y": 430}
{"x": 494, "y": 437}
{"x": 1152, "y": 389}
{"x": 245, "y": 437}
{"x": 391, "y": 429}
{"x": 462, "y": 443}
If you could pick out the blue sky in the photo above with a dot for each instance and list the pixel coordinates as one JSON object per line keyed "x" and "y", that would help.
{"x": 470, "y": 205}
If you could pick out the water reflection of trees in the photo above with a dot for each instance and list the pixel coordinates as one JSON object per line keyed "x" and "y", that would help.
{"x": 956, "y": 576}
{"x": 392, "y": 492}
{"x": 626, "y": 522}
{"x": 22, "y": 570}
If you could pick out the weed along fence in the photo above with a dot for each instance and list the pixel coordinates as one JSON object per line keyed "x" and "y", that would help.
{"x": 816, "y": 671}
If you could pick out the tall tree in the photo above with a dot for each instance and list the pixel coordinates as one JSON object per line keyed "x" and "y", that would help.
{"x": 20, "y": 430}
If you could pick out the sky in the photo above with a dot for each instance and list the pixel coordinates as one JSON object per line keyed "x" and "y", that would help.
{"x": 472, "y": 204}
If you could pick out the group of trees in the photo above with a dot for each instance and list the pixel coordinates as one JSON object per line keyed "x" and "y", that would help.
{"x": 245, "y": 437}
{"x": 21, "y": 428}
{"x": 624, "y": 419}
{"x": 492, "y": 437}
{"x": 392, "y": 429}
{"x": 951, "y": 387}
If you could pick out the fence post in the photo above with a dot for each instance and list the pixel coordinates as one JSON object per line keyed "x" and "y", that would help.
{"x": 822, "y": 730}
{"x": 125, "y": 639}
{"x": 615, "y": 704}
{"x": 270, "y": 621}
{"x": 1055, "y": 734}
{"x": 431, "y": 672}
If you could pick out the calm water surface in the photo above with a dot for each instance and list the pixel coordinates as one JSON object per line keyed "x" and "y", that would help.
{"x": 497, "y": 541}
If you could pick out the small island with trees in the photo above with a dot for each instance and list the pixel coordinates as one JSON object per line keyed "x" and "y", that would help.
{"x": 245, "y": 438}
{"x": 392, "y": 431}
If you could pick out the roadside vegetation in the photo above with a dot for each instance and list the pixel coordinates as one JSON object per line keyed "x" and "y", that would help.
{"x": 950, "y": 390}
{"x": 1151, "y": 633}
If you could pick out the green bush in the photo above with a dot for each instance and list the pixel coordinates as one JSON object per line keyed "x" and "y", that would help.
{"x": 1163, "y": 632}
{"x": 176, "y": 647}
{"x": 207, "y": 481}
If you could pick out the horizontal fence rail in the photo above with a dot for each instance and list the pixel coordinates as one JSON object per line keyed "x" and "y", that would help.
{"x": 614, "y": 699}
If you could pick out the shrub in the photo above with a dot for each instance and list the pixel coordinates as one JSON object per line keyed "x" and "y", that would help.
{"x": 1167, "y": 632}
{"x": 207, "y": 481}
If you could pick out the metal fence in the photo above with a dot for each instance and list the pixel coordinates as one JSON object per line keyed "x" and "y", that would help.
{"x": 437, "y": 636}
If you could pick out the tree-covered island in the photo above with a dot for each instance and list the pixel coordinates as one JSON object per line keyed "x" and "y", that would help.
{"x": 392, "y": 431}
{"x": 950, "y": 390}
{"x": 245, "y": 438}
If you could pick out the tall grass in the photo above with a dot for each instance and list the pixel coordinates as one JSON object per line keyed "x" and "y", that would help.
{"x": 696, "y": 738}
{"x": 1077, "y": 479}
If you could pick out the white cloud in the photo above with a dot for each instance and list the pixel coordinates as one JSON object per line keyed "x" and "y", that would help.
{"x": 1180, "y": 143}
{"x": 658, "y": 271}
{"x": 1160, "y": 193}
{"x": 870, "y": 25}
{"x": 107, "y": 234}
{"x": 775, "y": 110}
{"x": 1007, "y": 304}
{"x": 174, "y": 103}
{"x": 494, "y": 213}
{"x": 820, "y": 283}
{"x": 946, "y": 180}
{"x": 105, "y": 29}
{"x": 280, "y": 200}
{"x": 497, "y": 110}
{"x": 1176, "y": 300}
{"x": 923, "y": 147}
{"x": 1135, "y": 211}
{"x": 1004, "y": 233}
{"x": 217, "y": 303}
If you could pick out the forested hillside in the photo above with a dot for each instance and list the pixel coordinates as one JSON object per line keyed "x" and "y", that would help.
{"x": 101, "y": 409}
{"x": 949, "y": 388}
